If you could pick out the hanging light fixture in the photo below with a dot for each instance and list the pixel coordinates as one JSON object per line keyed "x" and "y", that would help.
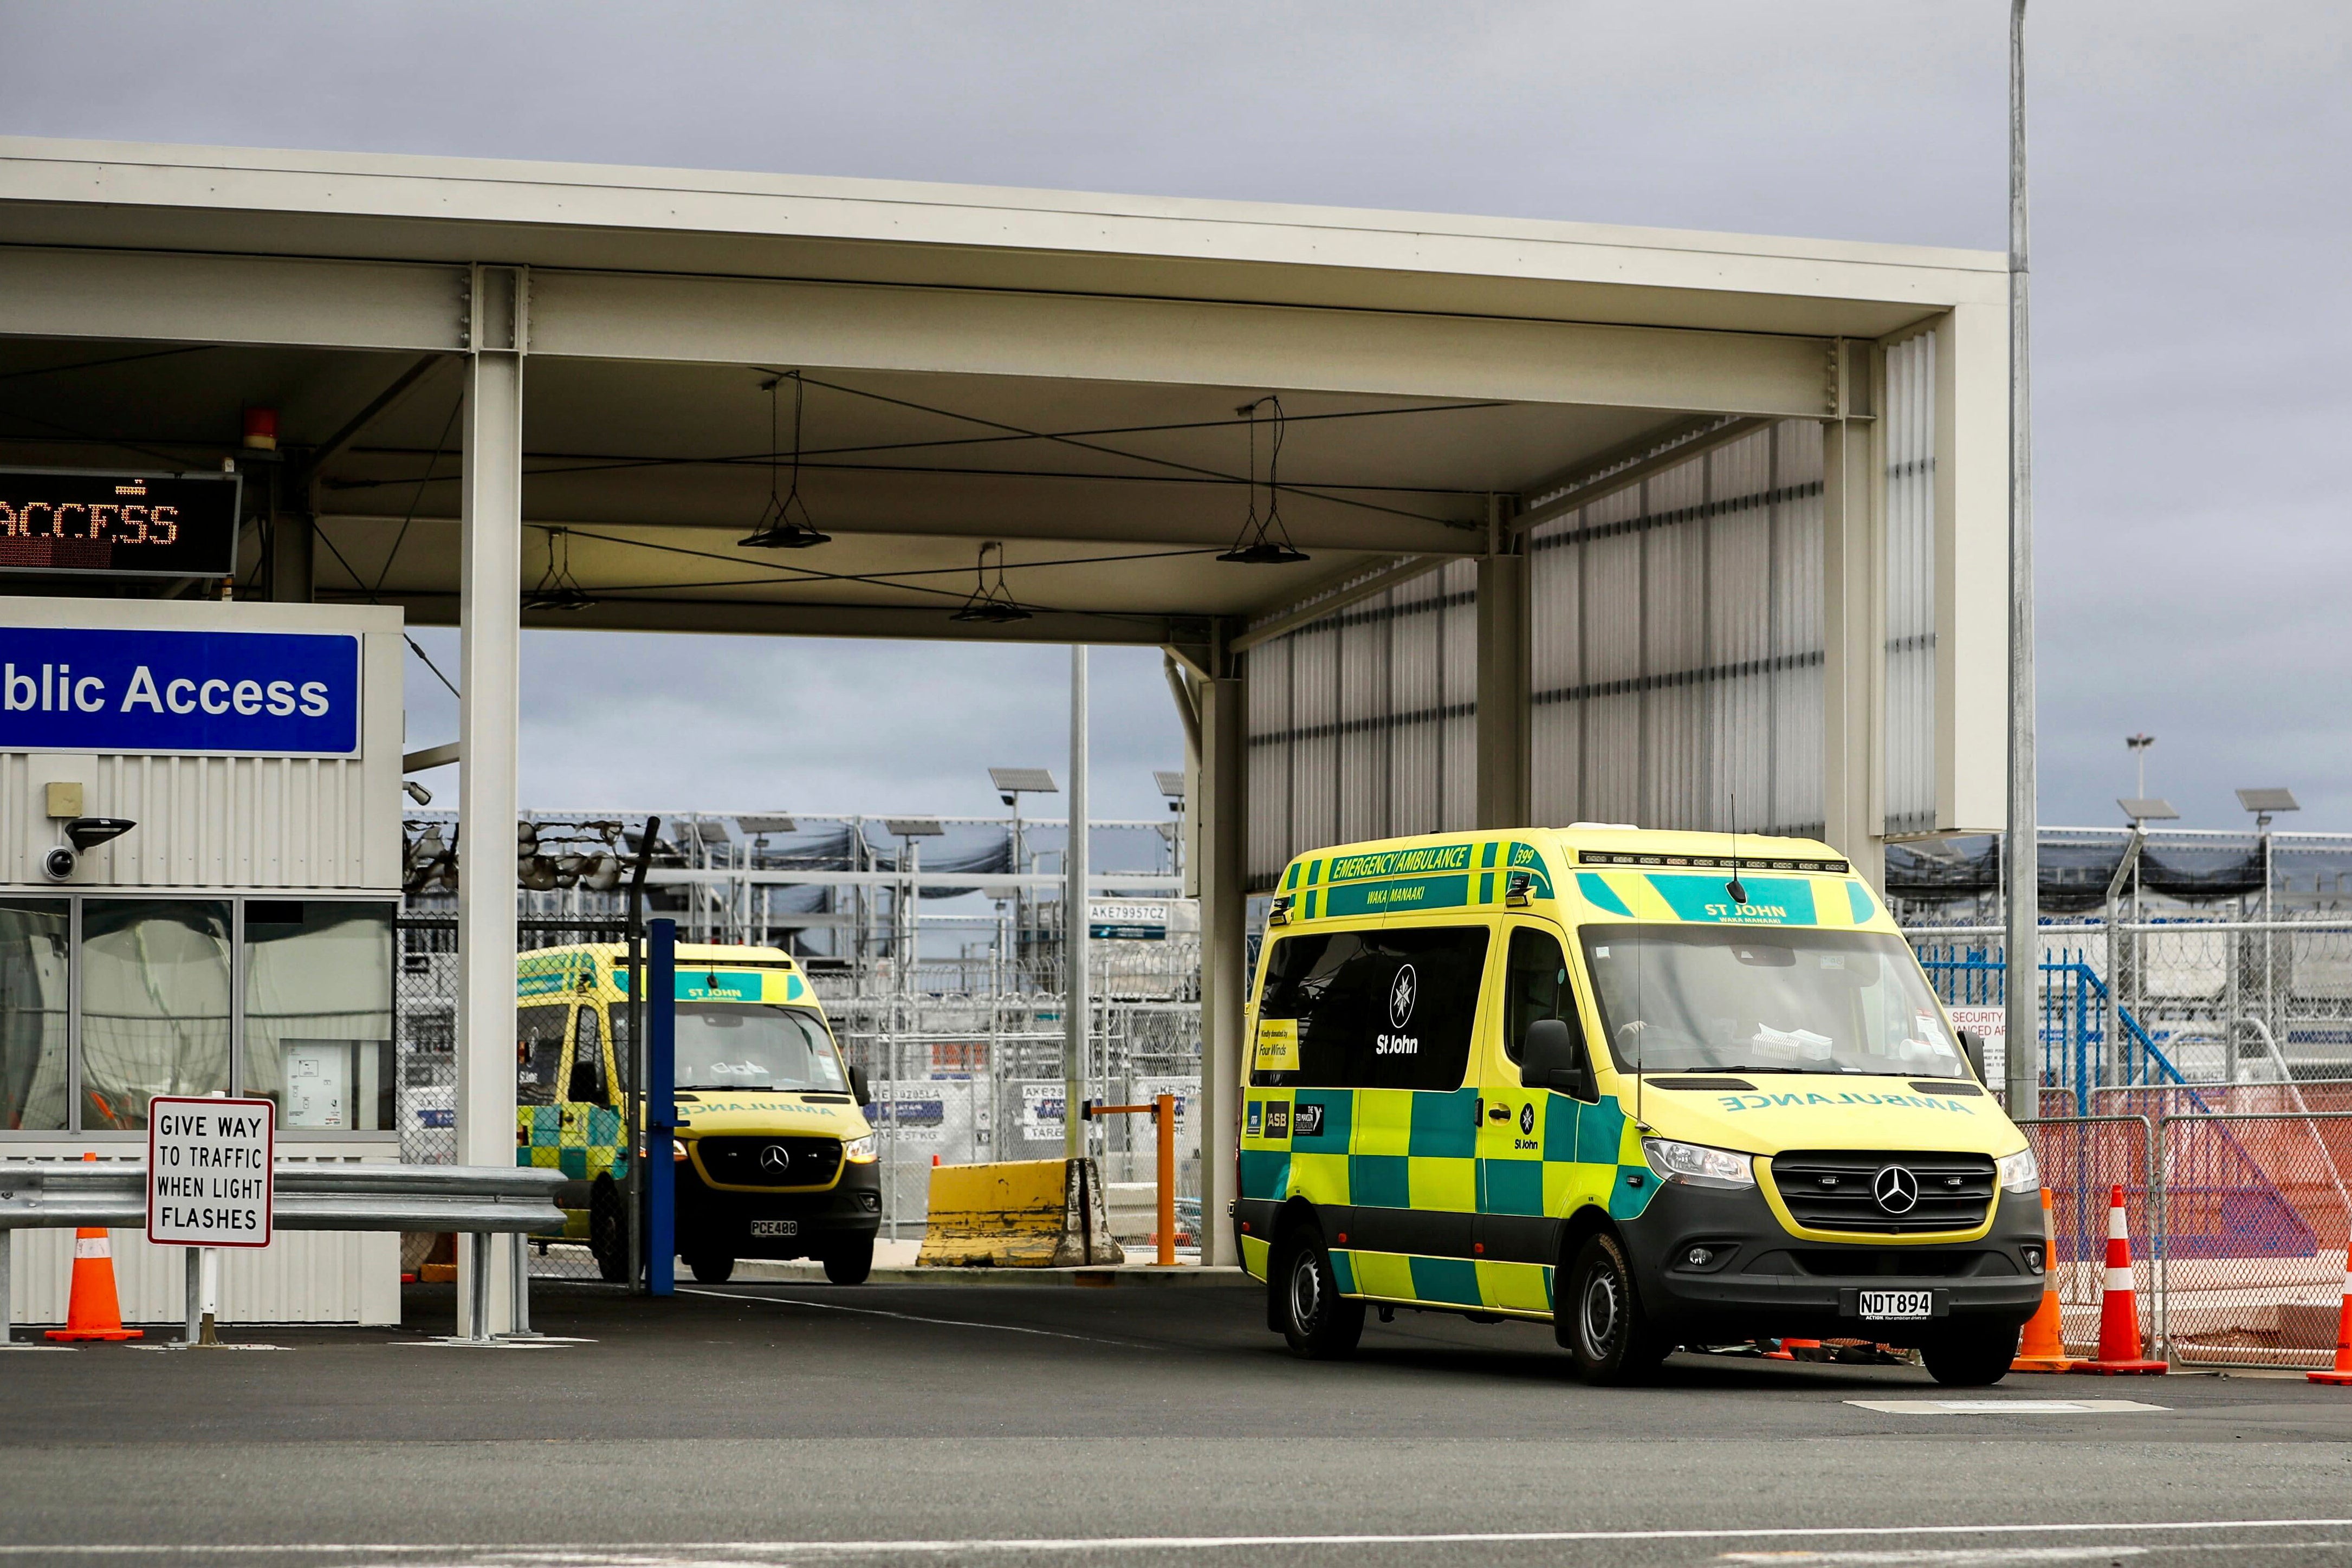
{"x": 785, "y": 522}
{"x": 1265, "y": 541}
{"x": 990, "y": 601}
{"x": 558, "y": 589}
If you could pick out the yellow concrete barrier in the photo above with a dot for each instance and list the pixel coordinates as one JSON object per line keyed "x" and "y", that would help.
{"x": 1018, "y": 1214}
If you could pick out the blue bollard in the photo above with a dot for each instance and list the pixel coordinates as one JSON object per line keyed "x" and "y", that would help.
{"x": 661, "y": 1107}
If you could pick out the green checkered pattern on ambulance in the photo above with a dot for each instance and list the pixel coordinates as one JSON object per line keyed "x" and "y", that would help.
{"x": 1417, "y": 1148}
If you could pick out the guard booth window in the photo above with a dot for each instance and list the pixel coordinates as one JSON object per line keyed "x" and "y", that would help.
{"x": 1536, "y": 985}
{"x": 318, "y": 1013}
{"x": 539, "y": 1053}
{"x": 1382, "y": 1009}
{"x": 155, "y": 1005}
{"x": 35, "y": 1089}
{"x": 287, "y": 999}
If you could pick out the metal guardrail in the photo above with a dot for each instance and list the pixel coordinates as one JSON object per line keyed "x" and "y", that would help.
{"x": 479, "y": 1201}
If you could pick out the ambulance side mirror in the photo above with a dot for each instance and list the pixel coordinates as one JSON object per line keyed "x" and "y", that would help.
{"x": 858, "y": 1088}
{"x": 1552, "y": 1058}
{"x": 1972, "y": 1047}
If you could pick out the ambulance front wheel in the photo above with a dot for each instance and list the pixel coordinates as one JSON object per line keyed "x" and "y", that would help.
{"x": 1318, "y": 1322}
{"x": 1599, "y": 1319}
{"x": 849, "y": 1262}
{"x": 608, "y": 1233}
{"x": 1974, "y": 1357}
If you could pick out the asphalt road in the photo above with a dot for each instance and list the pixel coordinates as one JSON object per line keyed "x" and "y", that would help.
{"x": 765, "y": 1425}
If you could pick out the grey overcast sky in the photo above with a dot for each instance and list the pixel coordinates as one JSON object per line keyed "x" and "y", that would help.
{"x": 2192, "y": 216}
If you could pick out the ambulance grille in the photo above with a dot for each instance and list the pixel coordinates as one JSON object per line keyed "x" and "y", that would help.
{"x": 745, "y": 1162}
{"x": 1837, "y": 1190}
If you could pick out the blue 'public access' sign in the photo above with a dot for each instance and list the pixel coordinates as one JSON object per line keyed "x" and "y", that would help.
{"x": 83, "y": 689}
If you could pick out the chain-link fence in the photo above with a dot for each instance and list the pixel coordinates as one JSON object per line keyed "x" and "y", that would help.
{"x": 2137, "y": 1003}
{"x": 2084, "y": 1160}
{"x": 2237, "y": 1222}
{"x": 424, "y": 1034}
{"x": 957, "y": 1075}
{"x": 2255, "y": 1227}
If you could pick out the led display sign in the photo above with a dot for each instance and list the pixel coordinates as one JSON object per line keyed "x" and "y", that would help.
{"x": 148, "y": 525}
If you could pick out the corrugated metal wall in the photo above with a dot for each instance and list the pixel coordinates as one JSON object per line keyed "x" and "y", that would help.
{"x": 1363, "y": 724}
{"x": 207, "y": 822}
{"x": 1910, "y": 448}
{"x": 1676, "y": 645}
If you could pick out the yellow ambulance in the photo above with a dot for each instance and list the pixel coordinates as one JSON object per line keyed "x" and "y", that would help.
{"x": 1657, "y": 1088}
{"x": 774, "y": 1155}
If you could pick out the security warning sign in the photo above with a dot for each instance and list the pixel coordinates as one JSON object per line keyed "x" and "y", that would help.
{"x": 209, "y": 1165}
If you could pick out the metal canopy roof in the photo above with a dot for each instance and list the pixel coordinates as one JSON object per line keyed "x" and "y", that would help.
{"x": 1058, "y": 374}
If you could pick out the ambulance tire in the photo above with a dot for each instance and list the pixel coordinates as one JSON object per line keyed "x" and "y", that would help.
{"x": 712, "y": 1268}
{"x": 1318, "y": 1322}
{"x": 1975, "y": 1358}
{"x": 849, "y": 1262}
{"x": 1599, "y": 1319}
{"x": 608, "y": 1234}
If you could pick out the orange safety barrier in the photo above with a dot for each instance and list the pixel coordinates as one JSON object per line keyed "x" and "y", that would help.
{"x": 1163, "y": 1111}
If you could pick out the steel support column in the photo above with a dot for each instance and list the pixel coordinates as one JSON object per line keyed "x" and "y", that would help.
{"x": 1854, "y": 614}
{"x": 489, "y": 644}
{"x": 1224, "y": 970}
{"x": 1502, "y": 723}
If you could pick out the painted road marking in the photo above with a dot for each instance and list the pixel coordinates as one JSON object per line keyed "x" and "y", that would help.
{"x": 606, "y": 1551}
{"x": 2004, "y": 1406}
{"x": 1965, "y": 1557}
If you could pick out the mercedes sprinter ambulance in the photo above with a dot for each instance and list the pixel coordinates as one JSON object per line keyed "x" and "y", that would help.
{"x": 774, "y": 1155}
{"x": 1657, "y": 1088}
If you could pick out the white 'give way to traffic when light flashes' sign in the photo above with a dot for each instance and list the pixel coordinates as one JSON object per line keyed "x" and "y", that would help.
{"x": 209, "y": 1171}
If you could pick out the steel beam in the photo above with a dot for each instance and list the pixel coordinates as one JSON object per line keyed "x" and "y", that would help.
{"x": 752, "y": 618}
{"x": 488, "y": 723}
{"x": 1502, "y": 720}
{"x": 1224, "y": 973}
{"x": 166, "y": 296}
{"x": 737, "y": 320}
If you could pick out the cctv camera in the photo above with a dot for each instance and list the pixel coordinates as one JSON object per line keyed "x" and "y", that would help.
{"x": 58, "y": 864}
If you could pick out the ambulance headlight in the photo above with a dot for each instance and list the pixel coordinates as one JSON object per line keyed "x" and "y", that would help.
{"x": 2018, "y": 1172}
{"x": 860, "y": 1151}
{"x": 1696, "y": 1165}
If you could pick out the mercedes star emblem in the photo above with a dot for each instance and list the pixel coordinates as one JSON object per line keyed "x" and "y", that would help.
{"x": 1897, "y": 1189}
{"x": 775, "y": 1157}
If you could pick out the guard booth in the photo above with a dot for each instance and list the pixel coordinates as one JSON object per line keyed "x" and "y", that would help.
{"x": 1440, "y": 521}
{"x": 199, "y": 873}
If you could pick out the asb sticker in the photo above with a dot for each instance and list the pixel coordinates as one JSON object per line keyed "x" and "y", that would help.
{"x": 1278, "y": 1045}
{"x": 1277, "y": 1119}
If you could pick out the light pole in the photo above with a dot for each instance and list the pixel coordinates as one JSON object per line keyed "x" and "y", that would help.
{"x": 1012, "y": 784}
{"x": 1078, "y": 1008}
{"x": 2138, "y": 746}
{"x": 2021, "y": 1067}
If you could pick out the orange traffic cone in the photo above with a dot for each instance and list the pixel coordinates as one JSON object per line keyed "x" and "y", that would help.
{"x": 2044, "y": 1348}
{"x": 2119, "y": 1343}
{"x": 94, "y": 1312}
{"x": 2342, "y": 1375}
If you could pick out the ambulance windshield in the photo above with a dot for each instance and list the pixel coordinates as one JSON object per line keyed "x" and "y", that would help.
{"x": 1774, "y": 1000}
{"x": 751, "y": 1045}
